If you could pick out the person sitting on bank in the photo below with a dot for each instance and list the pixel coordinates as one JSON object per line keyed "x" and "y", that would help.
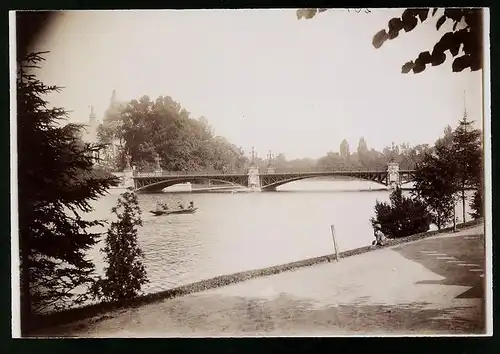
{"x": 379, "y": 235}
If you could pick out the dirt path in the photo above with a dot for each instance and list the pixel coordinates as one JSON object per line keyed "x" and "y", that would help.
{"x": 431, "y": 286}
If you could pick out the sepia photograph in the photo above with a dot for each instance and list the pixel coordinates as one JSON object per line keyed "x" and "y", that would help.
{"x": 304, "y": 172}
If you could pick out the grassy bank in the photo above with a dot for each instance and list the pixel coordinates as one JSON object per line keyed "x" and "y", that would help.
{"x": 101, "y": 308}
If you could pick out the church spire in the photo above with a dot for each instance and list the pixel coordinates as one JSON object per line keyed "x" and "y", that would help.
{"x": 113, "y": 98}
{"x": 112, "y": 108}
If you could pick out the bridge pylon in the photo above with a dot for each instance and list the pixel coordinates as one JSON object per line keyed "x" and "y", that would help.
{"x": 158, "y": 166}
{"x": 393, "y": 180}
{"x": 253, "y": 174}
{"x": 270, "y": 167}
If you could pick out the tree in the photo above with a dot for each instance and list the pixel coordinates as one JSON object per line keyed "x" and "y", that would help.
{"x": 447, "y": 138}
{"x": 344, "y": 149}
{"x": 363, "y": 152}
{"x": 467, "y": 159}
{"x": 146, "y": 128}
{"x": 110, "y": 134}
{"x": 477, "y": 205}
{"x": 403, "y": 216}
{"x": 432, "y": 184}
{"x": 391, "y": 153}
{"x": 125, "y": 273}
{"x": 466, "y": 37}
{"x": 56, "y": 180}
{"x": 452, "y": 167}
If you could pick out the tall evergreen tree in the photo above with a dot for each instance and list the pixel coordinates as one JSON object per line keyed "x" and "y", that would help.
{"x": 467, "y": 159}
{"x": 56, "y": 180}
{"x": 125, "y": 273}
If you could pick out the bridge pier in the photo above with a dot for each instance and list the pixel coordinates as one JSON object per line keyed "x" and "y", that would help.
{"x": 253, "y": 178}
{"x": 393, "y": 179}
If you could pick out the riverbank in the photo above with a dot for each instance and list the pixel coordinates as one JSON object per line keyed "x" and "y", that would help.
{"x": 102, "y": 308}
{"x": 431, "y": 286}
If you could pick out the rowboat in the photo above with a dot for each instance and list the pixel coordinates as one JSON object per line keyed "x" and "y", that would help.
{"x": 177, "y": 211}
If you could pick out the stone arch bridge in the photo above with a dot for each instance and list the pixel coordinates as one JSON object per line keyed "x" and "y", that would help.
{"x": 156, "y": 181}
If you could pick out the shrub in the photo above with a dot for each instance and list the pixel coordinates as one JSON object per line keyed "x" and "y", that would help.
{"x": 404, "y": 216}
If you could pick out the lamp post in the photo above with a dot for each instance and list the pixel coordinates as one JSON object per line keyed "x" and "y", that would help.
{"x": 158, "y": 159}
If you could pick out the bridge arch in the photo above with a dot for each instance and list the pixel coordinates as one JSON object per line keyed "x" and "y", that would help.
{"x": 164, "y": 183}
{"x": 371, "y": 178}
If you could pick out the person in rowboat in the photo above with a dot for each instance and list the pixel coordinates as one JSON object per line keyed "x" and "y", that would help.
{"x": 191, "y": 205}
{"x": 181, "y": 206}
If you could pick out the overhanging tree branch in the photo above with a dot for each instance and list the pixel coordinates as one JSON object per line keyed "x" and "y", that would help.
{"x": 465, "y": 38}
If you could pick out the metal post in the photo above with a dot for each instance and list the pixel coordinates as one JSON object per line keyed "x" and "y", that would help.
{"x": 454, "y": 220}
{"x": 332, "y": 228}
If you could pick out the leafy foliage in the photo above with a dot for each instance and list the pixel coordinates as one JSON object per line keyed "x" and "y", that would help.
{"x": 454, "y": 165}
{"x": 126, "y": 273}
{"x": 145, "y": 129}
{"x": 309, "y": 13}
{"x": 432, "y": 185}
{"x": 344, "y": 149}
{"x": 108, "y": 134}
{"x": 56, "y": 180}
{"x": 404, "y": 216}
{"x": 464, "y": 41}
{"x": 370, "y": 159}
{"x": 477, "y": 205}
{"x": 465, "y": 38}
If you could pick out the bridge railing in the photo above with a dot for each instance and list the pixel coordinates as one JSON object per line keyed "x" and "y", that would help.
{"x": 184, "y": 173}
{"x": 264, "y": 172}
{"x": 339, "y": 171}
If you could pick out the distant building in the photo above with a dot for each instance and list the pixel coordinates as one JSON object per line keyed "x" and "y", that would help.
{"x": 113, "y": 110}
{"x": 89, "y": 132}
{"x": 112, "y": 114}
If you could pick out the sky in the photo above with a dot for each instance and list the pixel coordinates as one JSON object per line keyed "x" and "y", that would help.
{"x": 263, "y": 78}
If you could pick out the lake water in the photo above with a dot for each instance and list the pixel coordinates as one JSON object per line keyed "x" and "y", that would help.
{"x": 243, "y": 231}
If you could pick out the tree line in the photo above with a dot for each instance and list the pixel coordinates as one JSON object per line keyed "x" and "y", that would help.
{"x": 147, "y": 130}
